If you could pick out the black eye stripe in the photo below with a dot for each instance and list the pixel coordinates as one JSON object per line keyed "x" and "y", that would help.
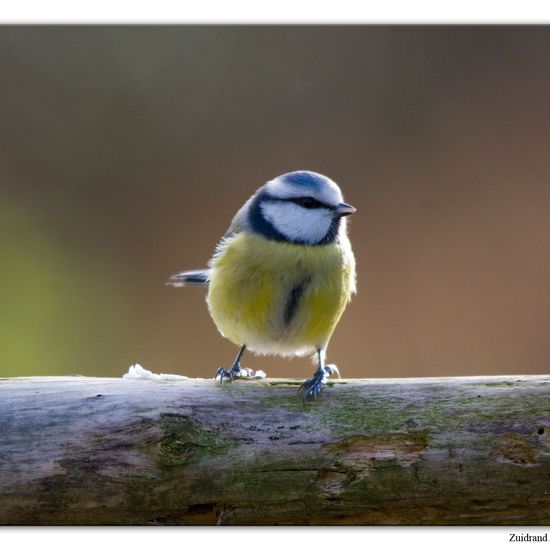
{"x": 309, "y": 202}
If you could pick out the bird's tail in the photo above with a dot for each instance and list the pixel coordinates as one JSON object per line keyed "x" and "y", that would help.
{"x": 197, "y": 277}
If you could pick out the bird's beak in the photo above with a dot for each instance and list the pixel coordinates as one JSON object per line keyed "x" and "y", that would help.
{"x": 344, "y": 209}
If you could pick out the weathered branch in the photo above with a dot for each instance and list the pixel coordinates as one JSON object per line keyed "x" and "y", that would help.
{"x": 424, "y": 451}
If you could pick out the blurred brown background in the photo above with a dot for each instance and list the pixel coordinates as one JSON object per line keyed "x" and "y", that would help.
{"x": 125, "y": 151}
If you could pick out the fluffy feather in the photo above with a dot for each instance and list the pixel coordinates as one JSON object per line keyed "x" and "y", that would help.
{"x": 252, "y": 278}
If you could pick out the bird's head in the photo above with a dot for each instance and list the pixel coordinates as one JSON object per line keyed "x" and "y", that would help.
{"x": 299, "y": 207}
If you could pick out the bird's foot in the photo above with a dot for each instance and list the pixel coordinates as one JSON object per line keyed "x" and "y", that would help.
{"x": 233, "y": 373}
{"x": 312, "y": 387}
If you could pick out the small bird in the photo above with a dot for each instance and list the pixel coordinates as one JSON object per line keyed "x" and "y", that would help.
{"x": 282, "y": 274}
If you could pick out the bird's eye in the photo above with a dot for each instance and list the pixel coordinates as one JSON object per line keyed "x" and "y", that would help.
{"x": 308, "y": 202}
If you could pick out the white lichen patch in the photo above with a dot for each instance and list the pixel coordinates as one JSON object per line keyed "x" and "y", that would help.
{"x": 137, "y": 372}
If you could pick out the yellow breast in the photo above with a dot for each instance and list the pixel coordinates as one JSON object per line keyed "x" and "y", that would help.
{"x": 277, "y": 297}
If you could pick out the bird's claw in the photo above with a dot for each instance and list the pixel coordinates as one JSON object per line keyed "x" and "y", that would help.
{"x": 312, "y": 387}
{"x": 234, "y": 372}
{"x": 331, "y": 369}
{"x": 222, "y": 373}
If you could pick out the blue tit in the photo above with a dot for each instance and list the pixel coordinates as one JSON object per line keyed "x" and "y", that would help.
{"x": 283, "y": 273}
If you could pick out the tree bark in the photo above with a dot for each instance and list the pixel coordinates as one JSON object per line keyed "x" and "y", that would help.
{"x": 101, "y": 451}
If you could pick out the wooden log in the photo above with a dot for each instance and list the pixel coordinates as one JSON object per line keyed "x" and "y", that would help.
{"x": 102, "y": 451}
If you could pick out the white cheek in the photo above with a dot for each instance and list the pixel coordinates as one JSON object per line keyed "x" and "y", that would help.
{"x": 297, "y": 223}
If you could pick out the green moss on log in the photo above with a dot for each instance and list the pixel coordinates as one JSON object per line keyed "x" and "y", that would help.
{"x": 185, "y": 442}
